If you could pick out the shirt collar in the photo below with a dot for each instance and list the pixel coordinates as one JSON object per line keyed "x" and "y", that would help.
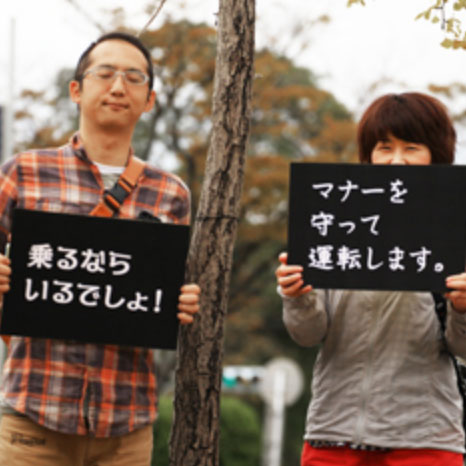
{"x": 80, "y": 152}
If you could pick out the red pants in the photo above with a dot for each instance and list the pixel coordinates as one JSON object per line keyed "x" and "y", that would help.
{"x": 347, "y": 457}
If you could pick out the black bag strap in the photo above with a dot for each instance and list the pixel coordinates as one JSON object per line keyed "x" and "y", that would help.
{"x": 113, "y": 198}
{"x": 440, "y": 309}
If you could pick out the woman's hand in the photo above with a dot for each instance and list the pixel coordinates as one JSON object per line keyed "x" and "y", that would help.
{"x": 290, "y": 278}
{"x": 457, "y": 297}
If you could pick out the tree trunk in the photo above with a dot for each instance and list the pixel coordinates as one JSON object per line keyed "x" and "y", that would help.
{"x": 195, "y": 432}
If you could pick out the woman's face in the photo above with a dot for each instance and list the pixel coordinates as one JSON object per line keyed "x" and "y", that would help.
{"x": 394, "y": 151}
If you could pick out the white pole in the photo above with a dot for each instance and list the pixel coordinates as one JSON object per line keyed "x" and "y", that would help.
{"x": 275, "y": 419}
{"x": 7, "y": 147}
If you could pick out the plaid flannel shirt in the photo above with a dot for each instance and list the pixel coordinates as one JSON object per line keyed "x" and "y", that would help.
{"x": 67, "y": 386}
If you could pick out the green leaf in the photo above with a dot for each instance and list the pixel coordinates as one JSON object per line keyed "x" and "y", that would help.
{"x": 459, "y": 5}
{"x": 447, "y": 43}
{"x": 419, "y": 16}
{"x": 351, "y": 2}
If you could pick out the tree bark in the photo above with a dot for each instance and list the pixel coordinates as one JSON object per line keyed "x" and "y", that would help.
{"x": 195, "y": 432}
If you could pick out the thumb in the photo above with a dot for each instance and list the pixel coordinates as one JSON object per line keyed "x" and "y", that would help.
{"x": 283, "y": 258}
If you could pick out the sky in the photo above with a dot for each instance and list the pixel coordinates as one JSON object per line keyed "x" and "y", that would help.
{"x": 362, "y": 52}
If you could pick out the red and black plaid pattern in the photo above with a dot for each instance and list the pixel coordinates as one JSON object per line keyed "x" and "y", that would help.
{"x": 72, "y": 387}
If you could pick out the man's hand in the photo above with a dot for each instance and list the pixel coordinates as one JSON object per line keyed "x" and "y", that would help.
{"x": 188, "y": 303}
{"x": 5, "y": 272}
{"x": 290, "y": 278}
{"x": 457, "y": 283}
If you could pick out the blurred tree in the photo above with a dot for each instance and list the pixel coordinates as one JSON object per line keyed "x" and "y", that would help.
{"x": 455, "y": 94}
{"x": 293, "y": 120}
{"x": 46, "y": 118}
{"x": 445, "y": 13}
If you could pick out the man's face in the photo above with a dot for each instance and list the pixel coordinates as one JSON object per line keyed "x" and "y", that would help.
{"x": 113, "y": 104}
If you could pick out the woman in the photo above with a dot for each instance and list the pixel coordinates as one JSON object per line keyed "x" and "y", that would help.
{"x": 384, "y": 387}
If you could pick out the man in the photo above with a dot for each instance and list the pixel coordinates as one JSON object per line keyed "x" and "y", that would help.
{"x": 65, "y": 402}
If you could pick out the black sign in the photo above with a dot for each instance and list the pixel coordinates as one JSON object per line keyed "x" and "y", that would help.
{"x": 377, "y": 226}
{"x": 95, "y": 279}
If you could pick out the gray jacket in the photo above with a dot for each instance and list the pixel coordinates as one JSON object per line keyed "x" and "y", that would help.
{"x": 382, "y": 376}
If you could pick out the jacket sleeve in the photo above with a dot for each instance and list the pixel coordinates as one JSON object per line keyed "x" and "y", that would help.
{"x": 306, "y": 318}
{"x": 456, "y": 332}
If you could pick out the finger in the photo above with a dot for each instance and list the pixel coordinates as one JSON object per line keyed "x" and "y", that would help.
{"x": 292, "y": 289}
{"x": 5, "y": 269}
{"x": 185, "y": 318}
{"x": 459, "y": 305}
{"x": 456, "y": 282}
{"x": 304, "y": 290}
{"x": 283, "y": 258}
{"x": 289, "y": 280}
{"x": 4, "y": 281}
{"x": 284, "y": 270}
{"x": 456, "y": 294}
{"x": 4, "y": 260}
{"x": 189, "y": 308}
{"x": 457, "y": 276}
{"x": 191, "y": 288}
{"x": 4, "y": 277}
{"x": 188, "y": 298}
{"x": 4, "y": 287}
{"x": 284, "y": 267}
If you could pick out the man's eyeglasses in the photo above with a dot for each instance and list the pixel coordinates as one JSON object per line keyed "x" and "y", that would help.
{"x": 108, "y": 73}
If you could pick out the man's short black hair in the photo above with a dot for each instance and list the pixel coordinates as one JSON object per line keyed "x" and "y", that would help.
{"x": 84, "y": 60}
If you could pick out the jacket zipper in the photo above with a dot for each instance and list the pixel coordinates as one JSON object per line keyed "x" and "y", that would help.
{"x": 367, "y": 381}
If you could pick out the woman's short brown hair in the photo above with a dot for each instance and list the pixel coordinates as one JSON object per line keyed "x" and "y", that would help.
{"x": 410, "y": 116}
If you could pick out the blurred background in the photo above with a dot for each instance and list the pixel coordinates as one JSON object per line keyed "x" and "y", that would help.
{"x": 318, "y": 65}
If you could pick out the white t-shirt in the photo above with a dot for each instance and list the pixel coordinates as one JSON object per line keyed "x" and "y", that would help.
{"x": 109, "y": 173}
